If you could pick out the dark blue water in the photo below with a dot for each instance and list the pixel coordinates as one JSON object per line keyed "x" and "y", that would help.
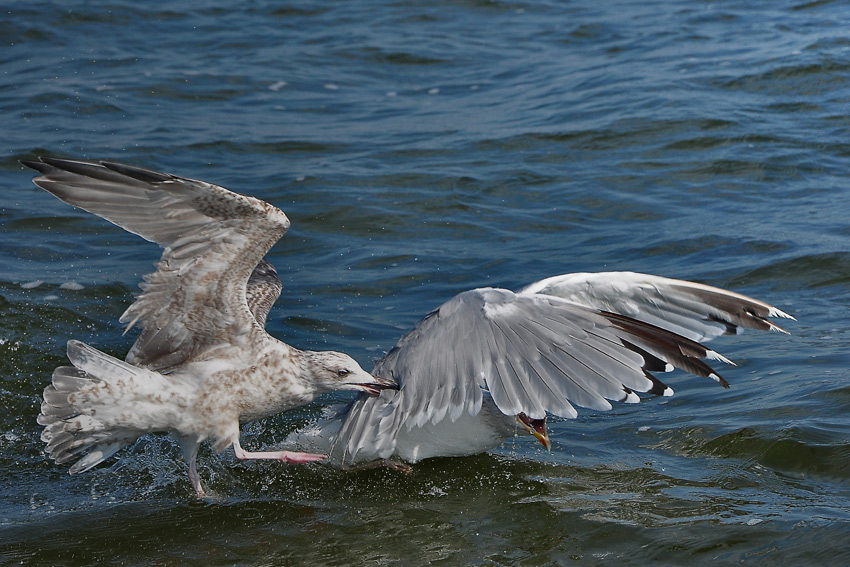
{"x": 422, "y": 149}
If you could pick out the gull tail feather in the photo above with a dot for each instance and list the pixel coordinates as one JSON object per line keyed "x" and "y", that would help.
{"x": 97, "y": 406}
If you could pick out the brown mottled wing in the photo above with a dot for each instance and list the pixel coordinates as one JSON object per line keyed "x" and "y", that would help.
{"x": 263, "y": 289}
{"x": 212, "y": 239}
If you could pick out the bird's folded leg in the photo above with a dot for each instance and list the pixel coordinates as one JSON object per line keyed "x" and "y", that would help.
{"x": 283, "y": 456}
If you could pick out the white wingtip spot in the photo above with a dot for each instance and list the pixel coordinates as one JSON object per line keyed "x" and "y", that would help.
{"x": 774, "y": 312}
{"x": 632, "y": 398}
{"x": 777, "y": 328}
{"x": 668, "y": 391}
{"x": 713, "y": 355}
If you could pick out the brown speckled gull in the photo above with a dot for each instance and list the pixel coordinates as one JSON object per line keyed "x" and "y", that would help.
{"x": 203, "y": 362}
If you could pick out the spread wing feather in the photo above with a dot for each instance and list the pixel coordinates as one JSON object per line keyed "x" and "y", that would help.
{"x": 212, "y": 238}
{"x": 262, "y": 291}
{"x": 533, "y": 353}
{"x": 697, "y": 311}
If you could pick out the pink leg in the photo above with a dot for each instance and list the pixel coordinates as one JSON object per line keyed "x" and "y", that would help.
{"x": 283, "y": 456}
{"x": 196, "y": 479}
{"x": 189, "y": 446}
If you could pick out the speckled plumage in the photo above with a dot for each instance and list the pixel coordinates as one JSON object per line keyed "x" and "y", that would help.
{"x": 203, "y": 362}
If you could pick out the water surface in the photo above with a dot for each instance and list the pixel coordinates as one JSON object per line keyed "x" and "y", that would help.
{"x": 422, "y": 149}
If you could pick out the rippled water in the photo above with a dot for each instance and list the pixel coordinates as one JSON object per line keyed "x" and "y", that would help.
{"x": 422, "y": 149}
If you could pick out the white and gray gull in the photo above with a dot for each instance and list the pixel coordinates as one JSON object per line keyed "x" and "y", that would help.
{"x": 203, "y": 362}
{"x": 491, "y": 362}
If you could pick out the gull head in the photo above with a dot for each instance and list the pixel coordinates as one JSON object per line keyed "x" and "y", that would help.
{"x": 337, "y": 371}
{"x": 536, "y": 427}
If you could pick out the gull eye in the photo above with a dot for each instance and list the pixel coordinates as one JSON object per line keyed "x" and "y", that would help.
{"x": 343, "y": 373}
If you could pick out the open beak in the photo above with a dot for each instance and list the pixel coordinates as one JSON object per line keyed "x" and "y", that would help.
{"x": 536, "y": 427}
{"x": 374, "y": 388}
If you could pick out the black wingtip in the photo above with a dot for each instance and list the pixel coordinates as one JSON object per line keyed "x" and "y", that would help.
{"x": 39, "y": 166}
{"x": 104, "y": 170}
{"x": 659, "y": 388}
{"x": 82, "y": 167}
{"x": 65, "y": 163}
{"x": 138, "y": 173}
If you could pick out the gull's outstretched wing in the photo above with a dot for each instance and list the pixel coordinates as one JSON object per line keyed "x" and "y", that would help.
{"x": 693, "y": 310}
{"x": 533, "y": 353}
{"x": 262, "y": 291}
{"x": 213, "y": 239}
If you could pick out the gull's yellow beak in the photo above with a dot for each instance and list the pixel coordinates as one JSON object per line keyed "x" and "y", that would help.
{"x": 536, "y": 427}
